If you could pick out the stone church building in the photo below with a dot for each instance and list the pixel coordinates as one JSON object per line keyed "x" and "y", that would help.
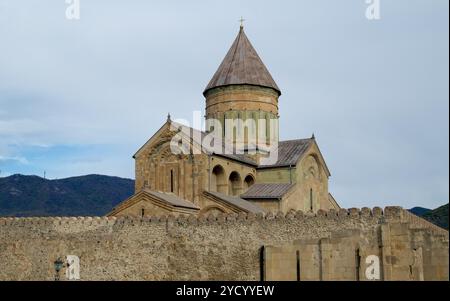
{"x": 204, "y": 182}
{"x": 236, "y": 210}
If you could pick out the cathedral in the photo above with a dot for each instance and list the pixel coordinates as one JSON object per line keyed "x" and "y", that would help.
{"x": 259, "y": 175}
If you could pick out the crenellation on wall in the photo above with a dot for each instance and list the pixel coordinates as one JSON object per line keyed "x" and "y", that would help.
{"x": 389, "y": 214}
{"x": 332, "y": 213}
{"x": 343, "y": 212}
{"x": 366, "y": 212}
{"x": 226, "y": 246}
{"x": 377, "y": 211}
{"x": 321, "y": 212}
{"x": 354, "y": 212}
{"x": 393, "y": 212}
{"x": 299, "y": 214}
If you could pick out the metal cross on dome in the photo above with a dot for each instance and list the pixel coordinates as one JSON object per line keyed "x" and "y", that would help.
{"x": 242, "y": 20}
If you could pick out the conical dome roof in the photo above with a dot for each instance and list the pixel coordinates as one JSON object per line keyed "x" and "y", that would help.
{"x": 242, "y": 65}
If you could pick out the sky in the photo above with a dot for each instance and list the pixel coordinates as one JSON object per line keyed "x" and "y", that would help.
{"x": 81, "y": 96}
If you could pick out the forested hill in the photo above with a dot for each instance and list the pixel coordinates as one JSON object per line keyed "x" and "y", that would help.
{"x": 91, "y": 195}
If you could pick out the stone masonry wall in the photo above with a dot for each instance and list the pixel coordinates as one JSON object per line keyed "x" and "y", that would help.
{"x": 225, "y": 247}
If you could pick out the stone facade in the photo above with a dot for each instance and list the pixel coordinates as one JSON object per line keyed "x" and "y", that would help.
{"x": 310, "y": 176}
{"x": 247, "y": 103}
{"x": 333, "y": 245}
{"x": 242, "y": 90}
{"x": 189, "y": 176}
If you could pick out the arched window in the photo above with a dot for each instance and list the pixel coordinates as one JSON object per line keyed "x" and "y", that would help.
{"x": 171, "y": 181}
{"x": 249, "y": 181}
{"x": 235, "y": 183}
{"x": 238, "y": 129}
{"x": 311, "y": 202}
{"x": 224, "y": 125}
{"x": 218, "y": 180}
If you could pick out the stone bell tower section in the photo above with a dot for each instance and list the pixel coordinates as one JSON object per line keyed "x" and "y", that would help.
{"x": 242, "y": 88}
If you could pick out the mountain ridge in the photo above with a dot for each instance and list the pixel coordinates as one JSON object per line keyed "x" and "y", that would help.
{"x": 89, "y": 195}
{"x": 438, "y": 216}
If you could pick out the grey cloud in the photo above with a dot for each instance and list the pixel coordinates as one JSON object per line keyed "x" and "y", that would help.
{"x": 375, "y": 93}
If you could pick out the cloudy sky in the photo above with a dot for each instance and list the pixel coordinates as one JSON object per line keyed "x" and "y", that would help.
{"x": 80, "y": 97}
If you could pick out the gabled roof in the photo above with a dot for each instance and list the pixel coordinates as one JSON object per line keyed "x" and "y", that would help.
{"x": 236, "y": 202}
{"x": 172, "y": 199}
{"x": 289, "y": 152}
{"x": 333, "y": 201}
{"x": 242, "y": 65}
{"x": 163, "y": 199}
{"x": 242, "y": 158}
{"x": 155, "y": 135}
{"x": 267, "y": 191}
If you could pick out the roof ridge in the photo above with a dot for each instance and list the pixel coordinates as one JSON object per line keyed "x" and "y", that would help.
{"x": 236, "y": 201}
{"x": 237, "y": 40}
{"x": 299, "y": 139}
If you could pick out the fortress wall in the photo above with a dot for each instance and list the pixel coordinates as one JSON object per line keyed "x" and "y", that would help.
{"x": 225, "y": 247}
